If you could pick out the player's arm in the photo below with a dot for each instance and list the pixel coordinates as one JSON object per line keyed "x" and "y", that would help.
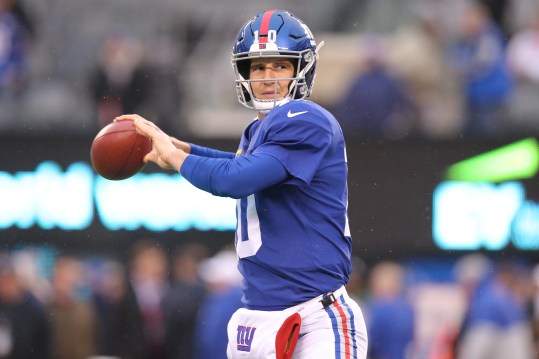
{"x": 210, "y": 152}
{"x": 236, "y": 178}
{"x": 200, "y": 150}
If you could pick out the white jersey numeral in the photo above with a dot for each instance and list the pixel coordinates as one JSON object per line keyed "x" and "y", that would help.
{"x": 249, "y": 247}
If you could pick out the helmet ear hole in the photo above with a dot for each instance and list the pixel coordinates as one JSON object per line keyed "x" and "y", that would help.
{"x": 296, "y": 64}
{"x": 243, "y": 68}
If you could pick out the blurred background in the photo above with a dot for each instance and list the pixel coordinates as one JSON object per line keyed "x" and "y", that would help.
{"x": 438, "y": 100}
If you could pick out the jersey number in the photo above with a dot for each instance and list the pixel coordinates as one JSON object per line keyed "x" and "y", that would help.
{"x": 253, "y": 243}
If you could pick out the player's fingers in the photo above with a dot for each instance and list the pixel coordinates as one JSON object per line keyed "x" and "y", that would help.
{"x": 151, "y": 157}
{"x": 144, "y": 129}
{"x": 137, "y": 119}
{"x": 154, "y": 157}
{"x": 141, "y": 120}
{"x": 147, "y": 128}
{"x": 127, "y": 117}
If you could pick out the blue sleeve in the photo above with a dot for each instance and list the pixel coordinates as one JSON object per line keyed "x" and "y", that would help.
{"x": 236, "y": 178}
{"x": 210, "y": 152}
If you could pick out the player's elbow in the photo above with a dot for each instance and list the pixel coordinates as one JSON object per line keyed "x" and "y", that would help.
{"x": 228, "y": 181}
{"x": 230, "y": 188}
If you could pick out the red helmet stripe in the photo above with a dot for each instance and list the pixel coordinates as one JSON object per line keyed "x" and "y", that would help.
{"x": 264, "y": 26}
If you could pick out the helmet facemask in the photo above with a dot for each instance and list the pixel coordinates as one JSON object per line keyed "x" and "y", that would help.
{"x": 303, "y": 61}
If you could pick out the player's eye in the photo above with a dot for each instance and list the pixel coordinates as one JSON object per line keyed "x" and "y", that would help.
{"x": 257, "y": 67}
{"x": 283, "y": 66}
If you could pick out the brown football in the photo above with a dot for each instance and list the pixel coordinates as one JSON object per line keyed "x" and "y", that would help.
{"x": 118, "y": 151}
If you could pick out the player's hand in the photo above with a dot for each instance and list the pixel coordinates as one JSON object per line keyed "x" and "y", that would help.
{"x": 164, "y": 153}
{"x": 184, "y": 146}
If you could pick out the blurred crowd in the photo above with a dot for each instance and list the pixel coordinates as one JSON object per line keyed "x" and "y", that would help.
{"x": 470, "y": 307}
{"x": 472, "y": 77}
{"x": 425, "y": 68}
{"x": 152, "y": 304}
{"x": 159, "y": 303}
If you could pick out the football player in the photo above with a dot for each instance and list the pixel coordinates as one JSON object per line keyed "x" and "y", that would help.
{"x": 289, "y": 176}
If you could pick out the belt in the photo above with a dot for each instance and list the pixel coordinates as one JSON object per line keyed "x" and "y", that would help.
{"x": 321, "y": 302}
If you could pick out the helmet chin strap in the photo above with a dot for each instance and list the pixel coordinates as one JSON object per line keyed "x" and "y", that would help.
{"x": 263, "y": 107}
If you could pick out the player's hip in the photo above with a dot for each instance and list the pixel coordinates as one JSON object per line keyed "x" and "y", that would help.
{"x": 328, "y": 326}
{"x": 336, "y": 330}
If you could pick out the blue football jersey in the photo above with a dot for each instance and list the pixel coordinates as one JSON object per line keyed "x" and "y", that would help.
{"x": 293, "y": 239}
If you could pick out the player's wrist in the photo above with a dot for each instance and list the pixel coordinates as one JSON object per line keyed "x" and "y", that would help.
{"x": 175, "y": 158}
{"x": 182, "y": 145}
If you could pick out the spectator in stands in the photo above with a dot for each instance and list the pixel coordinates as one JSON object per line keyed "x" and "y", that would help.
{"x": 109, "y": 287}
{"x": 478, "y": 56}
{"x": 417, "y": 54}
{"x": 523, "y": 51}
{"x": 496, "y": 324}
{"x": 390, "y": 315}
{"x": 498, "y": 11}
{"x": 222, "y": 278}
{"x": 378, "y": 104}
{"x": 22, "y": 13}
{"x": 24, "y": 331}
{"x": 121, "y": 81}
{"x": 182, "y": 302}
{"x": 127, "y": 80}
{"x": 522, "y": 55}
{"x": 14, "y": 48}
{"x": 143, "y": 322}
{"x": 70, "y": 312}
{"x": 166, "y": 96}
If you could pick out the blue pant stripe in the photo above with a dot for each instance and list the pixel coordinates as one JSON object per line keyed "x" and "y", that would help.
{"x": 335, "y": 331}
{"x": 352, "y": 326}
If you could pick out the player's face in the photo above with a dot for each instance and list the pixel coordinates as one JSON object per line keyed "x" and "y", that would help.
{"x": 268, "y": 71}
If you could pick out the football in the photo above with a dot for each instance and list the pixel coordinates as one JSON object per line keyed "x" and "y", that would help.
{"x": 118, "y": 151}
